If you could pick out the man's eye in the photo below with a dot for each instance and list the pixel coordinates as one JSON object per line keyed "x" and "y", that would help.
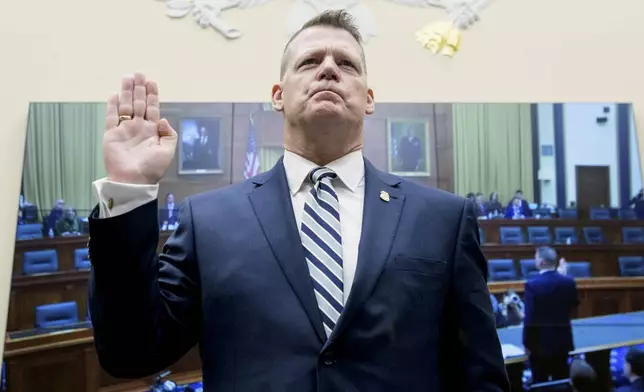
{"x": 347, "y": 63}
{"x": 308, "y": 62}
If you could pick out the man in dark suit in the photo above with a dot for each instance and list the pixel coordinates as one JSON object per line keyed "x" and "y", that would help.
{"x": 168, "y": 213}
{"x": 205, "y": 149}
{"x": 633, "y": 371}
{"x": 550, "y": 299}
{"x": 321, "y": 274}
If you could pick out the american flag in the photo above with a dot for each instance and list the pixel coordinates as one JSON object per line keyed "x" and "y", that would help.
{"x": 252, "y": 158}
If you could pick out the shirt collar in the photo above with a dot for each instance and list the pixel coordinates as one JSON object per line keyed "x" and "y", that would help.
{"x": 349, "y": 168}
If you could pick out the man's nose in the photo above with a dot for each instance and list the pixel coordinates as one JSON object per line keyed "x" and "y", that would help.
{"x": 329, "y": 70}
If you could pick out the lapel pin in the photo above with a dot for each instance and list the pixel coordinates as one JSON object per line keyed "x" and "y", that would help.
{"x": 384, "y": 196}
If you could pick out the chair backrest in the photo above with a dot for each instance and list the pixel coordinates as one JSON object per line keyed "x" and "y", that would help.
{"x": 29, "y": 231}
{"x": 52, "y": 315}
{"x": 568, "y": 213}
{"x": 39, "y": 262}
{"x": 593, "y": 235}
{"x": 81, "y": 258}
{"x": 627, "y": 214}
{"x": 511, "y": 235}
{"x": 631, "y": 265}
{"x": 564, "y": 235}
{"x": 528, "y": 268}
{"x": 579, "y": 269}
{"x": 633, "y": 235}
{"x": 599, "y": 213}
{"x": 539, "y": 235}
{"x": 501, "y": 270}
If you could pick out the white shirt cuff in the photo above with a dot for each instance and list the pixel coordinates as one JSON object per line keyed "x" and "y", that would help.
{"x": 115, "y": 198}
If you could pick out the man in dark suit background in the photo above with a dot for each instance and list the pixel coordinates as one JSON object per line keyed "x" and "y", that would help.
{"x": 168, "y": 213}
{"x": 633, "y": 371}
{"x": 550, "y": 299}
{"x": 321, "y": 274}
{"x": 205, "y": 149}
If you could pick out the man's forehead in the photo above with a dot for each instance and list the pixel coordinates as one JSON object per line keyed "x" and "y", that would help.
{"x": 322, "y": 38}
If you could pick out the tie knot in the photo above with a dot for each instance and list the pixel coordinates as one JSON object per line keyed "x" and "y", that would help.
{"x": 320, "y": 173}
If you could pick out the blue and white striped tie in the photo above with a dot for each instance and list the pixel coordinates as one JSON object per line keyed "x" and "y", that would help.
{"x": 322, "y": 241}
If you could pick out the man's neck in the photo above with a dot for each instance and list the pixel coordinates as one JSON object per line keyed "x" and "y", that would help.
{"x": 323, "y": 144}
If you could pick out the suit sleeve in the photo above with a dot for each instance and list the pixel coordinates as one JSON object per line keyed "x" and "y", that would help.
{"x": 145, "y": 308}
{"x": 528, "y": 321}
{"x": 471, "y": 351}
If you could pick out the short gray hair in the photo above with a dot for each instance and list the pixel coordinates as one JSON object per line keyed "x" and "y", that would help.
{"x": 339, "y": 19}
{"x": 548, "y": 255}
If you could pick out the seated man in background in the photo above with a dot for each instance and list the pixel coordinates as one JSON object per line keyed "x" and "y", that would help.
{"x": 479, "y": 203}
{"x": 634, "y": 371}
{"x": 68, "y": 225}
{"x": 550, "y": 300}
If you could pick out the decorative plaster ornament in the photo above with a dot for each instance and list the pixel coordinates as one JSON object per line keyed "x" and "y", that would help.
{"x": 444, "y": 37}
{"x": 440, "y": 37}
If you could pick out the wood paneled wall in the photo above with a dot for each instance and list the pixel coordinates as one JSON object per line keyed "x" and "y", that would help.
{"x": 235, "y": 126}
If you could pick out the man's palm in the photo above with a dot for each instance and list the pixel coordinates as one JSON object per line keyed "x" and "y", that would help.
{"x": 137, "y": 151}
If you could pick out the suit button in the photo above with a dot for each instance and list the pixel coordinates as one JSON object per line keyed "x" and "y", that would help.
{"x": 328, "y": 359}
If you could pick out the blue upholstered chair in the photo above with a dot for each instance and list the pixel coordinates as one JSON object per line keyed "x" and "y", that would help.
{"x": 53, "y": 315}
{"x": 565, "y": 235}
{"x": 29, "y": 231}
{"x": 501, "y": 270}
{"x": 631, "y": 265}
{"x": 511, "y": 235}
{"x": 633, "y": 235}
{"x": 81, "y": 258}
{"x": 528, "y": 268}
{"x": 599, "y": 213}
{"x": 539, "y": 235}
{"x": 39, "y": 262}
{"x": 593, "y": 235}
{"x": 579, "y": 269}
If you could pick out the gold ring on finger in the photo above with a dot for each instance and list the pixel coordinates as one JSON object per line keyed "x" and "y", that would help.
{"x": 124, "y": 118}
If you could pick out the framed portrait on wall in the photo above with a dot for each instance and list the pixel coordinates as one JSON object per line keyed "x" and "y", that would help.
{"x": 200, "y": 147}
{"x": 408, "y": 147}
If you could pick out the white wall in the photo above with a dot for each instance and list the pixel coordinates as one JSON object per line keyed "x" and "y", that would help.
{"x": 588, "y": 143}
{"x": 636, "y": 172}
{"x": 547, "y": 169}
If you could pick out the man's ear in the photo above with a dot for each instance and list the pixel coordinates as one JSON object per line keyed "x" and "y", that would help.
{"x": 276, "y": 99}
{"x": 371, "y": 104}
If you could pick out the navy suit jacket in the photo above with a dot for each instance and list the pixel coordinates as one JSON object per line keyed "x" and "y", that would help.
{"x": 550, "y": 300}
{"x": 636, "y": 386}
{"x": 233, "y": 279}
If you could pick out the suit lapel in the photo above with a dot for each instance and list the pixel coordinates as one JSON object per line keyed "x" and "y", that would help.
{"x": 272, "y": 204}
{"x": 379, "y": 224}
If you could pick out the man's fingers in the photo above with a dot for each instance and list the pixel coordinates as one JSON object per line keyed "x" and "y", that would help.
{"x": 111, "y": 112}
{"x": 139, "y": 95}
{"x": 125, "y": 96}
{"x": 153, "y": 111}
{"x": 165, "y": 130}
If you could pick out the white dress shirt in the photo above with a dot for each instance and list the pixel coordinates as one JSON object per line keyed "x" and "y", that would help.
{"x": 349, "y": 186}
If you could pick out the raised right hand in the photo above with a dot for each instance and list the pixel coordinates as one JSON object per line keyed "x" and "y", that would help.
{"x": 137, "y": 151}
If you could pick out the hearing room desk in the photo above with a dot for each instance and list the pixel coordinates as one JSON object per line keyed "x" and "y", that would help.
{"x": 66, "y": 360}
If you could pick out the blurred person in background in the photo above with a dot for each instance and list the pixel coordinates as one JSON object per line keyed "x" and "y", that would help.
{"x": 550, "y": 300}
